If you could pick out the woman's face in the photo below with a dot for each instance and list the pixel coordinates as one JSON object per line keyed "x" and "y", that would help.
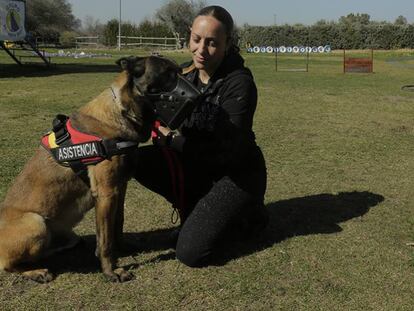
{"x": 208, "y": 43}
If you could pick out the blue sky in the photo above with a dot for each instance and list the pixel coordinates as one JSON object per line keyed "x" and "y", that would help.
{"x": 255, "y": 12}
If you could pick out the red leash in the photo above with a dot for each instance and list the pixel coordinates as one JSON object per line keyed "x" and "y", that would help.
{"x": 177, "y": 177}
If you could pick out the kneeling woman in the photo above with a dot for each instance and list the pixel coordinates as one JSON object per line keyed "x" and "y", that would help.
{"x": 220, "y": 168}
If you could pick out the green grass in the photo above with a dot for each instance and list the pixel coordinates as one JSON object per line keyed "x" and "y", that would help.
{"x": 339, "y": 150}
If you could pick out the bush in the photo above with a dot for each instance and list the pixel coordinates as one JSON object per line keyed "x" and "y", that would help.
{"x": 338, "y": 35}
{"x": 68, "y": 38}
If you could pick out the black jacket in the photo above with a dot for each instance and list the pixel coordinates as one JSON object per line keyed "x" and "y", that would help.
{"x": 219, "y": 135}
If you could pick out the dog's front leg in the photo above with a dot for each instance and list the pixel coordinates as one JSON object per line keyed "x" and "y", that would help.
{"x": 106, "y": 205}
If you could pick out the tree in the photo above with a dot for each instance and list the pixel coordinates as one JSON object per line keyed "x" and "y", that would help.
{"x": 353, "y": 19}
{"x": 401, "y": 20}
{"x": 148, "y": 28}
{"x": 92, "y": 26}
{"x": 48, "y": 18}
{"x": 178, "y": 15}
{"x": 110, "y": 32}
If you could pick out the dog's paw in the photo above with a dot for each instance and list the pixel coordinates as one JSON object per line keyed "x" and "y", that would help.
{"x": 119, "y": 275}
{"x": 124, "y": 276}
{"x": 39, "y": 275}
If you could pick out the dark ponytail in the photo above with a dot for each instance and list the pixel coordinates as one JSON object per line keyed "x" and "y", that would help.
{"x": 224, "y": 17}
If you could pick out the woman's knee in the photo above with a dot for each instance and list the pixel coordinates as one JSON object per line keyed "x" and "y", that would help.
{"x": 191, "y": 254}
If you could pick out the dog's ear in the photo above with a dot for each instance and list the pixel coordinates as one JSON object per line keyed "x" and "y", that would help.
{"x": 133, "y": 64}
{"x": 123, "y": 63}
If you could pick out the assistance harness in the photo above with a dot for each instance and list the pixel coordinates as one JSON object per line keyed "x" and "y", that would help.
{"x": 75, "y": 149}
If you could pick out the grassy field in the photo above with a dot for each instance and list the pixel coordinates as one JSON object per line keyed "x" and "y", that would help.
{"x": 339, "y": 151}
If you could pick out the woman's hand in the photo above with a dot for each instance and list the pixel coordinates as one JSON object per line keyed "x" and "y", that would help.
{"x": 163, "y": 137}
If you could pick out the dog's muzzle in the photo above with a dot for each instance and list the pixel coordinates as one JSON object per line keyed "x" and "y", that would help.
{"x": 173, "y": 107}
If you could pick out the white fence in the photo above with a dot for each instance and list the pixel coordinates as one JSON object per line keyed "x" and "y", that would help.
{"x": 87, "y": 41}
{"x": 166, "y": 43}
{"x": 159, "y": 42}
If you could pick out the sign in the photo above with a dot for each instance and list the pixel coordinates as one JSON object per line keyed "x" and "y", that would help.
{"x": 12, "y": 20}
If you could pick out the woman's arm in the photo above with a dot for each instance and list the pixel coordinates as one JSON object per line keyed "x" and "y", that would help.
{"x": 232, "y": 135}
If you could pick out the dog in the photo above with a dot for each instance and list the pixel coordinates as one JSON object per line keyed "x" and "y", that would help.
{"x": 48, "y": 199}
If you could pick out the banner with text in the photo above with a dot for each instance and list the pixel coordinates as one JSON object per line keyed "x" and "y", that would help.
{"x": 12, "y": 20}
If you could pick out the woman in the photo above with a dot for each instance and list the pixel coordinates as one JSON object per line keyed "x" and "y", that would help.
{"x": 214, "y": 155}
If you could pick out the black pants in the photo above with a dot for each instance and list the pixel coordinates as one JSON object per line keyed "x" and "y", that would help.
{"x": 213, "y": 206}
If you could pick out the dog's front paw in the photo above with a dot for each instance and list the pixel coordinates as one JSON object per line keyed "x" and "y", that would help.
{"x": 119, "y": 275}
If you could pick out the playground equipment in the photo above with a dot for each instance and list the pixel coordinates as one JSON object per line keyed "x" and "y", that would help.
{"x": 14, "y": 39}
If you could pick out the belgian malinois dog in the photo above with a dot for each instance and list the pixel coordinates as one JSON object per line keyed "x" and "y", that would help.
{"x": 48, "y": 199}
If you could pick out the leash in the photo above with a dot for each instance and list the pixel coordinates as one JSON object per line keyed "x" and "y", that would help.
{"x": 177, "y": 179}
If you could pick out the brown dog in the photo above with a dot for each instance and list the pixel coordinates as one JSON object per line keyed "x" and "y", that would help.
{"x": 48, "y": 199}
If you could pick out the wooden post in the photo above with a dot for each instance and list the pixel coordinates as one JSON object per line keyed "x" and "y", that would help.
{"x": 372, "y": 60}
{"x": 344, "y": 62}
{"x": 307, "y": 60}
{"x": 277, "y": 51}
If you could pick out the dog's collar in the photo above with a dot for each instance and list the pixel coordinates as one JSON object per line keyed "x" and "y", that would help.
{"x": 115, "y": 93}
{"x": 115, "y": 98}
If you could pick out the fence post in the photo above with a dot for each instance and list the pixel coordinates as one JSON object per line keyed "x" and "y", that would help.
{"x": 372, "y": 60}
{"x": 344, "y": 61}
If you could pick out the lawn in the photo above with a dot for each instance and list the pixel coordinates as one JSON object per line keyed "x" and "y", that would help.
{"x": 339, "y": 151}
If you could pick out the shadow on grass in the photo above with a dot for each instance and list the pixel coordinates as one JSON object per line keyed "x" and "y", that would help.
{"x": 315, "y": 214}
{"x": 319, "y": 213}
{"x": 82, "y": 259}
{"x": 16, "y": 71}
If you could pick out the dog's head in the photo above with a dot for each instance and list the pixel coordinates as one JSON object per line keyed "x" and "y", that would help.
{"x": 150, "y": 75}
{"x": 143, "y": 76}
{"x": 159, "y": 80}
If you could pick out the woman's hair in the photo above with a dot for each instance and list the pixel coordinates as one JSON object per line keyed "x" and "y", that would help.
{"x": 224, "y": 17}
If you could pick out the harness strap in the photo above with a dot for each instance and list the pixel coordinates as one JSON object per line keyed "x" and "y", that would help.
{"x": 80, "y": 170}
{"x": 59, "y": 128}
{"x": 115, "y": 147}
{"x": 63, "y": 139}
